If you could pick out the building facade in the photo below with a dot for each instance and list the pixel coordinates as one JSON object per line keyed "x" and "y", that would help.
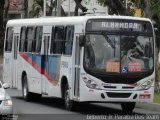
{"x": 16, "y": 9}
{"x": 91, "y": 5}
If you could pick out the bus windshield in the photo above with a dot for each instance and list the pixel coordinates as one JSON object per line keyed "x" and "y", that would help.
{"x": 119, "y": 53}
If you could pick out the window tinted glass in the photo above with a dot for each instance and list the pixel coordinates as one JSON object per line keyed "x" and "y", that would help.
{"x": 69, "y": 40}
{"x": 38, "y": 38}
{"x": 22, "y": 39}
{"x": 52, "y": 41}
{"x": 57, "y": 42}
{"x": 9, "y": 38}
{"x": 30, "y": 36}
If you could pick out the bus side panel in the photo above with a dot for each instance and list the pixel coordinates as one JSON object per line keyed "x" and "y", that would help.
{"x": 22, "y": 67}
{"x": 31, "y": 64}
{"x": 34, "y": 78}
{"x": 7, "y": 68}
{"x": 53, "y": 77}
{"x": 36, "y": 73}
{"x": 66, "y": 70}
{"x": 19, "y": 70}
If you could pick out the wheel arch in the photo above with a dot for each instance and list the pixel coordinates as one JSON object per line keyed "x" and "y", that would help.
{"x": 64, "y": 82}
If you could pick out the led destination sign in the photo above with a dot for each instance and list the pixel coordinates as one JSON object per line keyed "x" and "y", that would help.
{"x": 118, "y": 25}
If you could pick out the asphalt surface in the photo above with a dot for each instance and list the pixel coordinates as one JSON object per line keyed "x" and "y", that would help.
{"x": 49, "y": 108}
{"x": 53, "y": 109}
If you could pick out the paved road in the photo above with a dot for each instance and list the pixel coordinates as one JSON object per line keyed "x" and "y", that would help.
{"x": 49, "y": 108}
{"x": 53, "y": 109}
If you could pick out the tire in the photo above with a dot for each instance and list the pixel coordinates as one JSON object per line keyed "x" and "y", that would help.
{"x": 25, "y": 91}
{"x": 128, "y": 107}
{"x": 69, "y": 104}
{"x": 28, "y": 96}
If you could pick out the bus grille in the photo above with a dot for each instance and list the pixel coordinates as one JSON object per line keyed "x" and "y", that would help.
{"x": 118, "y": 95}
{"x": 128, "y": 87}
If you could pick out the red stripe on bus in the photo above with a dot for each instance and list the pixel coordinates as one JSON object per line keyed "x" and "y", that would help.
{"x": 34, "y": 65}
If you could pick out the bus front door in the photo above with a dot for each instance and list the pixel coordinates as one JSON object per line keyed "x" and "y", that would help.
{"x": 77, "y": 68}
{"x": 45, "y": 63}
{"x": 14, "y": 62}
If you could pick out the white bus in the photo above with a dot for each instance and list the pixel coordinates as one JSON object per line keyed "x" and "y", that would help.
{"x": 82, "y": 59}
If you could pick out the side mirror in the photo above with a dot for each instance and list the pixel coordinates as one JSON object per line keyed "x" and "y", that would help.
{"x": 81, "y": 40}
{"x": 6, "y": 85}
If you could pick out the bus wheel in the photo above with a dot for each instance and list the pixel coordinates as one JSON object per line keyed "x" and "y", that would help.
{"x": 69, "y": 104}
{"x": 128, "y": 107}
{"x": 26, "y": 94}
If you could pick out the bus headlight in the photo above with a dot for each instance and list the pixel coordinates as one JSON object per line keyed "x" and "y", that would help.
{"x": 146, "y": 85}
{"x": 8, "y": 102}
{"x": 91, "y": 84}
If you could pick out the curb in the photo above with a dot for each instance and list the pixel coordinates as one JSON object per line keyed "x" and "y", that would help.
{"x": 149, "y": 106}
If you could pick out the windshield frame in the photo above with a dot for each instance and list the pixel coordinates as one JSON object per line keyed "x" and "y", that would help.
{"x": 95, "y": 73}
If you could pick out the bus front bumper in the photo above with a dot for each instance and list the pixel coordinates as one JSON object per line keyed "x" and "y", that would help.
{"x": 93, "y": 95}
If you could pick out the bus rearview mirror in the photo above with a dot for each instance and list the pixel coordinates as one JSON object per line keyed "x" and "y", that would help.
{"x": 81, "y": 40}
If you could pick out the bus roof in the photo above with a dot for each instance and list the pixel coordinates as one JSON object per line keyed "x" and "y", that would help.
{"x": 66, "y": 20}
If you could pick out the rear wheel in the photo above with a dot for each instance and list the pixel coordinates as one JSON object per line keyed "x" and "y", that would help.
{"x": 69, "y": 104}
{"x": 128, "y": 107}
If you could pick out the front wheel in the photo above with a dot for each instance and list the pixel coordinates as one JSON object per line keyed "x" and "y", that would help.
{"x": 26, "y": 94}
{"x": 69, "y": 104}
{"x": 128, "y": 107}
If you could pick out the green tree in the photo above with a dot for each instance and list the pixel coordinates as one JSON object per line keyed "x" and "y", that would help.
{"x": 25, "y": 8}
{"x": 79, "y": 6}
{"x": 145, "y": 6}
{"x": 4, "y": 7}
{"x": 115, "y": 6}
{"x": 37, "y": 8}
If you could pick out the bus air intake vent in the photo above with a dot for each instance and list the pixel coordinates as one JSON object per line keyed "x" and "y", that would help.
{"x": 110, "y": 87}
{"x": 118, "y": 95}
{"x": 127, "y": 87}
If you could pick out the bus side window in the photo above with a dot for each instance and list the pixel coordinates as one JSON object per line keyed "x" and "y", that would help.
{"x": 9, "y": 38}
{"x": 52, "y": 50}
{"x": 68, "y": 43}
{"x": 37, "y": 40}
{"x": 29, "y": 39}
{"x": 59, "y": 36}
{"x": 22, "y": 39}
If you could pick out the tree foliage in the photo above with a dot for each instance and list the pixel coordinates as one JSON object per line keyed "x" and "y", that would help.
{"x": 115, "y": 6}
{"x": 4, "y": 6}
{"x": 155, "y": 6}
{"x": 119, "y": 7}
{"x": 79, "y": 6}
{"x": 37, "y": 8}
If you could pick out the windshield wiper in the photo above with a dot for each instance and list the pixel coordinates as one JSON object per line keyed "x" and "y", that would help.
{"x": 108, "y": 40}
